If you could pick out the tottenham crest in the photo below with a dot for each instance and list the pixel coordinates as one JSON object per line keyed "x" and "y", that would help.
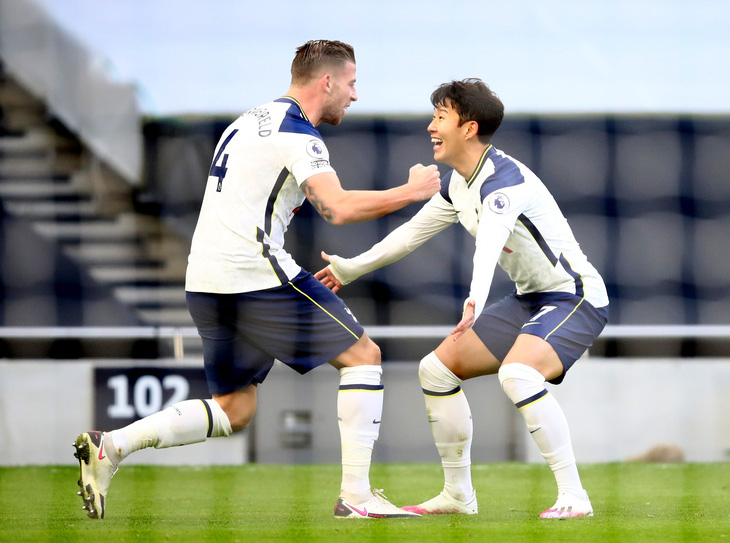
{"x": 499, "y": 203}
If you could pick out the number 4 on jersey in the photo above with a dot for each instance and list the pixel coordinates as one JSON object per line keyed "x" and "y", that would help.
{"x": 220, "y": 171}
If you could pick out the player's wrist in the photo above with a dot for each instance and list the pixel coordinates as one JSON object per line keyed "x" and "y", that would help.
{"x": 337, "y": 268}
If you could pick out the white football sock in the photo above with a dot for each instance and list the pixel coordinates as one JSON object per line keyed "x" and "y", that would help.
{"x": 183, "y": 423}
{"x": 359, "y": 409}
{"x": 545, "y": 420}
{"x": 451, "y": 425}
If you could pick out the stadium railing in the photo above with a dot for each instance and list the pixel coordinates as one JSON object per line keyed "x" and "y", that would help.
{"x": 178, "y": 334}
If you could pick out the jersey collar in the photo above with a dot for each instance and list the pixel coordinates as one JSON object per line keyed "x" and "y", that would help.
{"x": 294, "y": 102}
{"x": 480, "y": 164}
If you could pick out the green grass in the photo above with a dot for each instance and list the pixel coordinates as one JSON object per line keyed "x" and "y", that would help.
{"x": 633, "y": 503}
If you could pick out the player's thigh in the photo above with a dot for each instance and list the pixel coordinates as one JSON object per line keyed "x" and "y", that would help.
{"x": 303, "y": 324}
{"x": 231, "y": 361}
{"x": 467, "y": 356}
{"x": 561, "y": 328}
{"x": 315, "y": 326}
{"x": 537, "y": 353}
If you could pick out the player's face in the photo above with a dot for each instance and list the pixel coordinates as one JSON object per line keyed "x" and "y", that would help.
{"x": 446, "y": 134}
{"x": 342, "y": 94}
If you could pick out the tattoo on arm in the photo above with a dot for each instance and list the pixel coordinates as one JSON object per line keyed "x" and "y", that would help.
{"x": 321, "y": 208}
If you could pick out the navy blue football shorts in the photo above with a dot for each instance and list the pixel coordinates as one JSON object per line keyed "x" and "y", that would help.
{"x": 568, "y": 322}
{"x": 302, "y": 323}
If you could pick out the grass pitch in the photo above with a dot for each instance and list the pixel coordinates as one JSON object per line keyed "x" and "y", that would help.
{"x": 632, "y": 503}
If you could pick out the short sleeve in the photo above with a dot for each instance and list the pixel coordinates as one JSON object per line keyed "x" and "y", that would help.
{"x": 305, "y": 156}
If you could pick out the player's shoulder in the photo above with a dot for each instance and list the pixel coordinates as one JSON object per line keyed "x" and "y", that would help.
{"x": 445, "y": 185}
{"x": 295, "y": 120}
{"x": 282, "y": 116}
{"x": 505, "y": 172}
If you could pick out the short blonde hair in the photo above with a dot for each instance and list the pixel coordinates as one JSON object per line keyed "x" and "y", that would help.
{"x": 316, "y": 54}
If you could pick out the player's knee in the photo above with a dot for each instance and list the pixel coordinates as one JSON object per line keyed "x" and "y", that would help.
{"x": 364, "y": 352}
{"x": 374, "y": 352}
{"x": 238, "y": 408}
{"x": 370, "y": 353}
{"x": 239, "y": 419}
{"x": 514, "y": 378}
{"x": 435, "y": 376}
{"x": 425, "y": 370}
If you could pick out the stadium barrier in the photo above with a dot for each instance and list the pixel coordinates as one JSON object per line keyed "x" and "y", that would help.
{"x": 617, "y": 407}
{"x": 177, "y": 335}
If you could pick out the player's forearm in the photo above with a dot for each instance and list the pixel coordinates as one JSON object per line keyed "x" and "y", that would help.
{"x": 391, "y": 248}
{"x": 364, "y": 205}
{"x": 429, "y": 221}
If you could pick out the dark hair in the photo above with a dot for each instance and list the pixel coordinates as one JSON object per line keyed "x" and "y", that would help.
{"x": 316, "y": 54}
{"x": 473, "y": 100}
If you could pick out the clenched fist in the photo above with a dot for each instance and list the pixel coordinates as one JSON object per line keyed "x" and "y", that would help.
{"x": 424, "y": 181}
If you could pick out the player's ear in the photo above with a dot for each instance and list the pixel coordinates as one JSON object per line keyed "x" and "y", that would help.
{"x": 326, "y": 82}
{"x": 471, "y": 129}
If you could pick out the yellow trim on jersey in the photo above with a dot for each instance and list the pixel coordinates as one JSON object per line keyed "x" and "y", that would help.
{"x": 298, "y": 105}
{"x": 479, "y": 165}
{"x": 323, "y": 309}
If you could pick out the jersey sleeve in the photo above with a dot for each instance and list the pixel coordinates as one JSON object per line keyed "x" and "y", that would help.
{"x": 502, "y": 205}
{"x": 305, "y": 155}
{"x": 436, "y": 215}
{"x": 491, "y": 238}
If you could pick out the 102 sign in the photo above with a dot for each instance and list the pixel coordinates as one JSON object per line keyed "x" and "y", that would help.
{"x": 124, "y": 395}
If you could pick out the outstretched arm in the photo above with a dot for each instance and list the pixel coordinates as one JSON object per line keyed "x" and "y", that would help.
{"x": 339, "y": 206}
{"x": 433, "y": 217}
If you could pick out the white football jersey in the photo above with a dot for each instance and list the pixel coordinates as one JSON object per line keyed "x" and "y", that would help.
{"x": 516, "y": 223}
{"x": 541, "y": 253}
{"x": 252, "y": 193}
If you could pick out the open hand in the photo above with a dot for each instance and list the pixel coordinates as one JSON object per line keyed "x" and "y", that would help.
{"x": 466, "y": 322}
{"x": 326, "y": 277}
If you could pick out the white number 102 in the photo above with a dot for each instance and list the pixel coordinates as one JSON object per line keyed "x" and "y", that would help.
{"x": 146, "y": 396}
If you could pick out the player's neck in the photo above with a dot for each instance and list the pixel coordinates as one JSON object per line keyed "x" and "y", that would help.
{"x": 468, "y": 160}
{"x": 309, "y": 100}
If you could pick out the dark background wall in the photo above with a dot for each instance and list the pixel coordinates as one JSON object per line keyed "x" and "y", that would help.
{"x": 647, "y": 198}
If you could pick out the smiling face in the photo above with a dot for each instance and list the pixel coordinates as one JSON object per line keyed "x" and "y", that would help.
{"x": 342, "y": 94}
{"x": 447, "y": 136}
